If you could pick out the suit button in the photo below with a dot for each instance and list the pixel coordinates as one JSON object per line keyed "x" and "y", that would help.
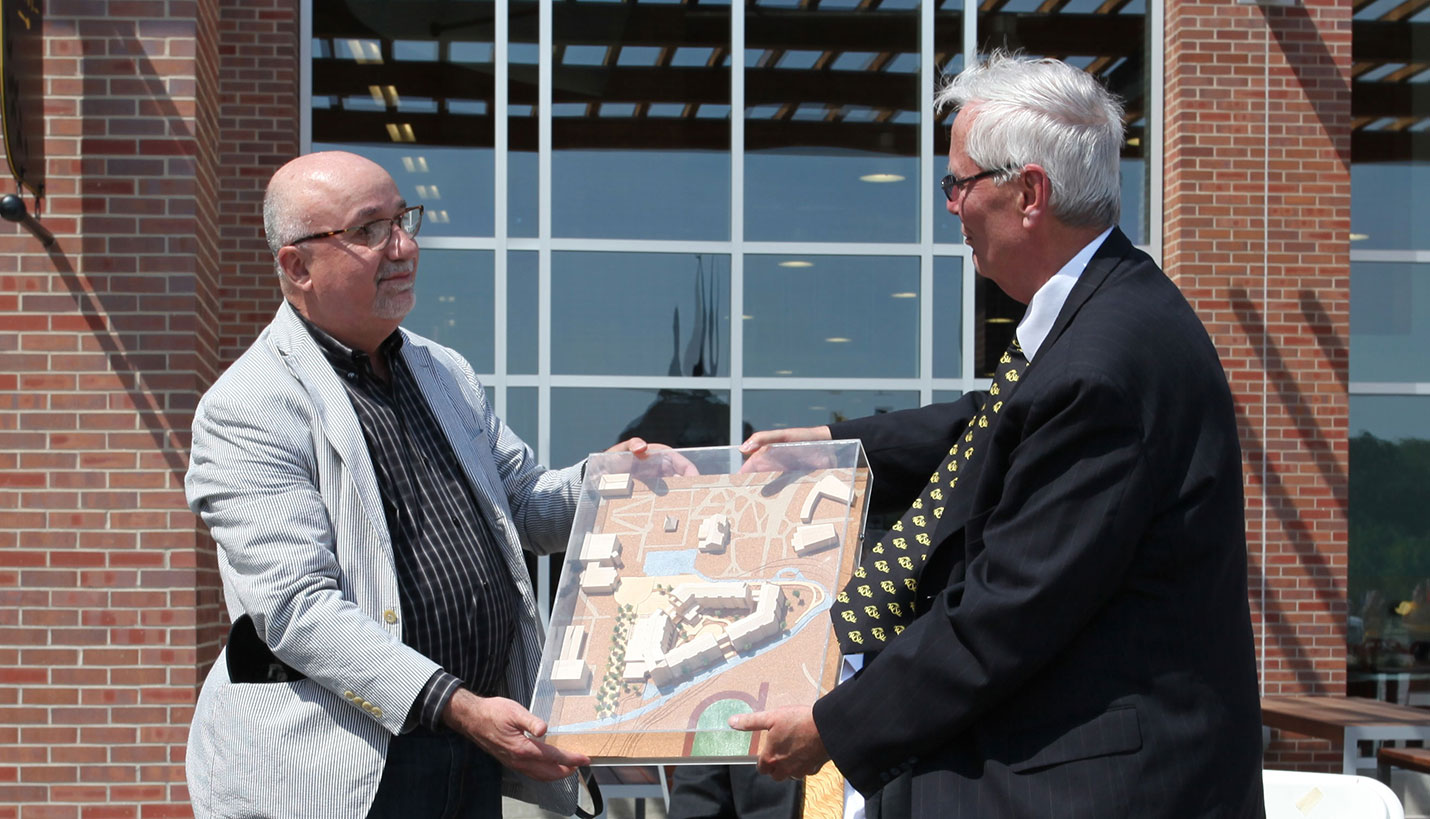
{"x": 389, "y": 617}
{"x": 377, "y": 712}
{"x": 349, "y": 694}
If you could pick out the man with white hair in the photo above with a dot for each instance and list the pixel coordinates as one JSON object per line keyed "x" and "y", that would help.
{"x": 370, "y": 510}
{"x": 1060, "y": 616}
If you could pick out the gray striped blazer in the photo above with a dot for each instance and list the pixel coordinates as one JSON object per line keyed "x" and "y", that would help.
{"x": 281, "y": 475}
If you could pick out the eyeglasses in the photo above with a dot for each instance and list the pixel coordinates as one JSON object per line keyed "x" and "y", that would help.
{"x": 953, "y": 184}
{"x": 375, "y": 234}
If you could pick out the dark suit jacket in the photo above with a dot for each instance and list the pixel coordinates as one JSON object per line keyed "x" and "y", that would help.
{"x": 1084, "y": 646}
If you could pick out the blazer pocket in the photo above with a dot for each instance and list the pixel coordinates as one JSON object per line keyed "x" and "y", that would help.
{"x": 1115, "y": 731}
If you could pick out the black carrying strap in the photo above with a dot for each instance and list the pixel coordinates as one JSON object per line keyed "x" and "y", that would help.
{"x": 598, "y": 805}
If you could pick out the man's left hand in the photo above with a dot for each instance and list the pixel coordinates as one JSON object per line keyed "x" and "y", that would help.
{"x": 667, "y": 464}
{"x": 791, "y": 747}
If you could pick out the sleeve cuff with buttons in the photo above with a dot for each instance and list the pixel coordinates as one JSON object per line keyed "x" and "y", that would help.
{"x": 432, "y": 700}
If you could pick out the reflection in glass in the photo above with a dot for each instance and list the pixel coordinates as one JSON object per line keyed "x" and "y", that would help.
{"x": 1390, "y": 322}
{"x": 414, "y": 92}
{"x": 823, "y": 316}
{"x": 947, "y": 317}
{"x": 948, "y": 61}
{"x": 779, "y": 409}
{"x": 832, "y": 108}
{"x": 522, "y": 318}
{"x": 1389, "y": 530}
{"x": 454, "y": 303}
{"x": 1389, "y": 202}
{"x": 640, "y": 314}
{"x": 521, "y": 414}
{"x": 625, "y": 164}
{"x": 590, "y": 420}
{"x": 454, "y": 185}
{"x": 522, "y": 125}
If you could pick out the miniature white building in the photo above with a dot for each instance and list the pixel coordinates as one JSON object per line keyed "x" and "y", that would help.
{"x": 601, "y": 550}
{"x": 651, "y": 637}
{"x": 714, "y": 534}
{"x": 614, "y": 485}
{"x": 827, "y": 487}
{"x": 570, "y": 672}
{"x": 687, "y": 659}
{"x": 763, "y": 623}
{"x": 601, "y": 555}
{"x": 600, "y": 580}
{"x": 814, "y": 538}
{"x": 671, "y": 523}
{"x": 691, "y": 599}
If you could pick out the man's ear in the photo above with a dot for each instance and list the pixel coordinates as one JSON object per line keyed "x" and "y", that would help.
{"x": 295, "y": 267}
{"x": 1035, "y": 191}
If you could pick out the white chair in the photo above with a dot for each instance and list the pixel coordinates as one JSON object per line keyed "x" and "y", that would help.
{"x": 1303, "y": 795}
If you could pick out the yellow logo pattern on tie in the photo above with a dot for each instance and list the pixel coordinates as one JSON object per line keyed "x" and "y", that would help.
{"x": 896, "y": 590}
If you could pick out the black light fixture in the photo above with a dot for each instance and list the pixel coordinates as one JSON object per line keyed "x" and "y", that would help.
{"x": 12, "y": 209}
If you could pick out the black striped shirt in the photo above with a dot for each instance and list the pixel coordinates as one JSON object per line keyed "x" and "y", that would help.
{"x": 458, "y": 601}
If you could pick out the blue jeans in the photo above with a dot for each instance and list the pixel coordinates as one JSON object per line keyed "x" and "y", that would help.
{"x": 437, "y": 775}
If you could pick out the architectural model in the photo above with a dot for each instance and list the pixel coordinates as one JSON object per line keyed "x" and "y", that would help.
{"x": 688, "y": 598}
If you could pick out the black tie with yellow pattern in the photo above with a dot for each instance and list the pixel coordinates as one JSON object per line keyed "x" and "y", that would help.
{"x": 878, "y": 602}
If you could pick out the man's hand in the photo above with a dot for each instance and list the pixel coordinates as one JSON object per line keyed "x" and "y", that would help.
{"x": 791, "y": 746}
{"x": 667, "y": 463}
{"x": 765, "y": 437}
{"x": 510, "y": 733}
{"x": 760, "y": 458}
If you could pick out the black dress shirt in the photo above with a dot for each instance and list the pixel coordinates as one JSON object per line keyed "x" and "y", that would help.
{"x": 458, "y": 601}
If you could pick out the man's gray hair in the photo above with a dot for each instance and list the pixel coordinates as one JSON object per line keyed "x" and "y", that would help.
{"x": 281, "y": 224}
{"x": 1045, "y": 112}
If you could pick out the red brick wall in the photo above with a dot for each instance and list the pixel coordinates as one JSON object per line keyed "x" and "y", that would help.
{"x": 1257, "y": 234}
{"x": 109, "y": 609}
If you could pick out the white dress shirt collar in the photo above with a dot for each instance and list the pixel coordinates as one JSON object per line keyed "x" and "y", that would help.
{"x": 1045, "y": 305}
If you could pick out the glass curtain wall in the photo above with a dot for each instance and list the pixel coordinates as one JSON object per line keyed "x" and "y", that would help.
{"x": 691, "y": 220}
{"x": 1389, "y": 430}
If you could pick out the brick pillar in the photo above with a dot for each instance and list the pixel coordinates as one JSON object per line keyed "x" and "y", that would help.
{"x": 1257, "y": 235}
{"x": 158, "y": 125}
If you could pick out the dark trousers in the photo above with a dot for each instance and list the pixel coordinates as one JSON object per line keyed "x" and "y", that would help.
{"x": 731, "y": 792}
{"x": 437, "y": 775}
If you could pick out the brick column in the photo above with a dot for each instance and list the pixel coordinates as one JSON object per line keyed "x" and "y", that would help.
{"x": 1257, "y": 235}
{"x": 109, "y": 605}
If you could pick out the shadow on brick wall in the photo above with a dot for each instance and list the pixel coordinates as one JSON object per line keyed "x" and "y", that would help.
{"x": 1284, "y": 633}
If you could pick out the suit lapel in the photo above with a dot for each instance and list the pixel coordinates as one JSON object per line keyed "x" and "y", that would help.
{"x": 341, "y": 427}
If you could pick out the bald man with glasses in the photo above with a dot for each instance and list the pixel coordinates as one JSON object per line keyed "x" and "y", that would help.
{"x": 369, "y": 510}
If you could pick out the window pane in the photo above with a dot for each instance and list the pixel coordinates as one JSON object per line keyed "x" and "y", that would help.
{"x": 640, "y": 121}
{"x": 1390, "y": 322}
{"x": 523, "y": 36}
{"x": 521, "y": 414}
{"x": 640, "y": 314}
{"x": 414, "y": 92}
{"x": 778, "y": 409}
{"x": 947, "y": 317}
{"x": 822, "y": 316}
{"x": 454, "y": 303}
{"x": 590, "y": 420}
{"x": 1389, "y": 523}
{"x": 832, "y": 106}
{"x": 522, "y": 318}
{"x": 948, "y": 61}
